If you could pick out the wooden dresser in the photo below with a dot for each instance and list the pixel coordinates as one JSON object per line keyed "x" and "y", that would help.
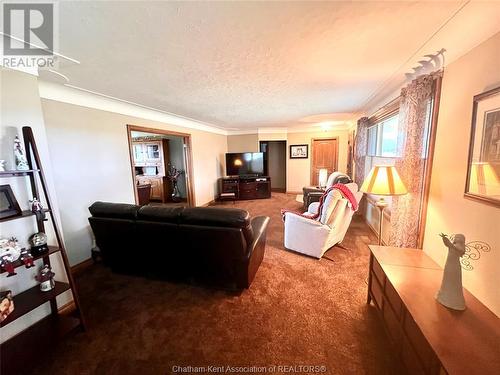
{"x": 426, "y": 336}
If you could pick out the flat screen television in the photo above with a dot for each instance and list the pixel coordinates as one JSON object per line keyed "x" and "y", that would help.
{"x": 245, "y": 164}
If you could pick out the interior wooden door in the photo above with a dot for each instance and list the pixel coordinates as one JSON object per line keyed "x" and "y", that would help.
{"x": 324, "y": 155}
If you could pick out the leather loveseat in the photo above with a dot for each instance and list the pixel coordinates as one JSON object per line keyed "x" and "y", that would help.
{"x": 208, "y": 245}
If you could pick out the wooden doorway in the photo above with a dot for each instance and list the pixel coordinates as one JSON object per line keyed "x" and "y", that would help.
{"x": 275, "y": 163}
{"x": 324, "y": 156}
{"x": 188, "y": 160}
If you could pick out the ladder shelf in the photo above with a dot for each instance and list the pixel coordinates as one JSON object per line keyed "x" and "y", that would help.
{"x": 29, "y": 342}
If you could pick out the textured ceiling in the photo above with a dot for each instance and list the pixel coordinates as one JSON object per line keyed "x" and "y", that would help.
{"x": 240, "y": 65}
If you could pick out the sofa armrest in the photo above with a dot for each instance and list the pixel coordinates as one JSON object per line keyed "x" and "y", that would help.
{"x": 255, "y": 251}
{"x": 313, "y": 208}
{"x": 259, "y": 229}
{"x": 305, "y": 235}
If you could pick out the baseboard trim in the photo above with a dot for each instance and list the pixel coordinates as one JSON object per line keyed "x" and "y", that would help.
{"x": 81, "y": 267}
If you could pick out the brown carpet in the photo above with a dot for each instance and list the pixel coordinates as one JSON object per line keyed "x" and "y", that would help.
{"x": 298, "y": 311}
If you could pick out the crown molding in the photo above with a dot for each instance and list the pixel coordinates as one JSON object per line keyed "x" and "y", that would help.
{"x": 85, "y": 98}
{"x": 243, "y": 132}
{"x": 317, "y": 129}
{"x": 272, "y": 130}
{"x": 285, "y": 131}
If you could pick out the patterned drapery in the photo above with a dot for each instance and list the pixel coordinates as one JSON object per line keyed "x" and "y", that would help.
{"x": 414, "y": 119}
{"x": 360, "y": 152}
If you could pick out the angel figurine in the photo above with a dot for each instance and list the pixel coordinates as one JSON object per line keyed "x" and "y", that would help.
{"x": 21, "y": 161}
{"x": 451, "y": 293}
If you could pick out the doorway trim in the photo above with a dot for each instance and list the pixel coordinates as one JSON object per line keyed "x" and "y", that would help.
{"x": 261, "y": 142}
{"x": 188, "y": 157}
{"x": 312, "y": 155}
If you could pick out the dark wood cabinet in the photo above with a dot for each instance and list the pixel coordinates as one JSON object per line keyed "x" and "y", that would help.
{"x": 427, "y": 337}
{"x": 245, "y": 187}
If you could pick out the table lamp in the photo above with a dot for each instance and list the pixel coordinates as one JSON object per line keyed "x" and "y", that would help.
{"x": 383, "y": 180}
{"x": 323, "y": 177}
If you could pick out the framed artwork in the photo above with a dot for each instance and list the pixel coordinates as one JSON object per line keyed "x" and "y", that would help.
{"x": 299, "y": 151}
{"x": 8, "y": 203}
{"x": 483, "y": 170}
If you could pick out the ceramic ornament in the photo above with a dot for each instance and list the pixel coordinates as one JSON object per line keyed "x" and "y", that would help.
{"x": 20, "y": 155}
{"x": 451, "y": 293}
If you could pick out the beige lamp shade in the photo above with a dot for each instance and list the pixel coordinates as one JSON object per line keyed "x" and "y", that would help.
{"x": 383, "y": 180}
{"x": 323, "y": 177}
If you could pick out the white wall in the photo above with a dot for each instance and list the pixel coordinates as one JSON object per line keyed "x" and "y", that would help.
{"x": 243, "y": 143}
{"x": 449, "y": 211}
{"x": 90, "y": 154}
{"x": 298, "y": 171}
{"x": 20, "y": 106}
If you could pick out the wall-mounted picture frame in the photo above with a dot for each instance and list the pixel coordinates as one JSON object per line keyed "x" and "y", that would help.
{"x": 8, "y": 203}
{"x": 299, "y": 151}
{"x": 483, "y": 169}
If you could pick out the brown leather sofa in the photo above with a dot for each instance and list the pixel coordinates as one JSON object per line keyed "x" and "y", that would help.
{"x": 208, "y": 245}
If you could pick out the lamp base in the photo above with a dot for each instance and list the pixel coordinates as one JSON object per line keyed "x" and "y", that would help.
{"x": 381, "y": 205}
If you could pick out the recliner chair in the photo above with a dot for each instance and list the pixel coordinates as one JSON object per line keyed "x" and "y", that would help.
{"x": 312, "y": 194}
{"x": 314, "y": 237}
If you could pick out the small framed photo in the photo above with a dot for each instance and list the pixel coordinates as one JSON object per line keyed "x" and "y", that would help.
{"x": 8, "y": 203}
{"x": 483, "y": 170}
{"x": 299, "y": 151}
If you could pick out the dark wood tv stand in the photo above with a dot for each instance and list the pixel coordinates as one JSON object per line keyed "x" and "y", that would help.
{"x": 244, "y": 187}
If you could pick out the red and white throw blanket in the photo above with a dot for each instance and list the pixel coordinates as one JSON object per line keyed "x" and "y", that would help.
{"x": 344, "y": 190}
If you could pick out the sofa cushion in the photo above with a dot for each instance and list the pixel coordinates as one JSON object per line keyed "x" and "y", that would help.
{"x": 114, "y": 210}
{"x": 219, "y": 217}
{"x": 161, "y": 213}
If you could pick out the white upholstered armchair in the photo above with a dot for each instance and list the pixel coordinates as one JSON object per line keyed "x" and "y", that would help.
{"x": 314, "y": 237}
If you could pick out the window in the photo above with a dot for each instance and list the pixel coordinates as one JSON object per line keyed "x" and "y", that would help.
{"x": 383, "y": 138}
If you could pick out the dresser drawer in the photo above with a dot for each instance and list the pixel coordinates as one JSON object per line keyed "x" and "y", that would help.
{"x": 410, "y": 359}
{"x": 393, "y": 326}
{"x": 376, "y": 292}
{"x": 379, "y": 273}
{"x": 394, "y": 299}
{"x": 419, "y": 342}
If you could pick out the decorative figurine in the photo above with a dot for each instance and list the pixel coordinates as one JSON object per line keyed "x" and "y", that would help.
{"x": 2, "y": 165}
{"x": 10, "y": 248}
{"x": 38, "y": 243}
{"x": 451, "y": 293}
{"x": 6, "y": 304}
{"x": 37, "y": 209}
{"x": 21, "y": 161}
{"x": 46, "y": 279}
{"x": 7, "y": 265}
{"x": 10, "y": 251}
{"x": 173, "y": 175}
{"x": 27, "y": 258}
